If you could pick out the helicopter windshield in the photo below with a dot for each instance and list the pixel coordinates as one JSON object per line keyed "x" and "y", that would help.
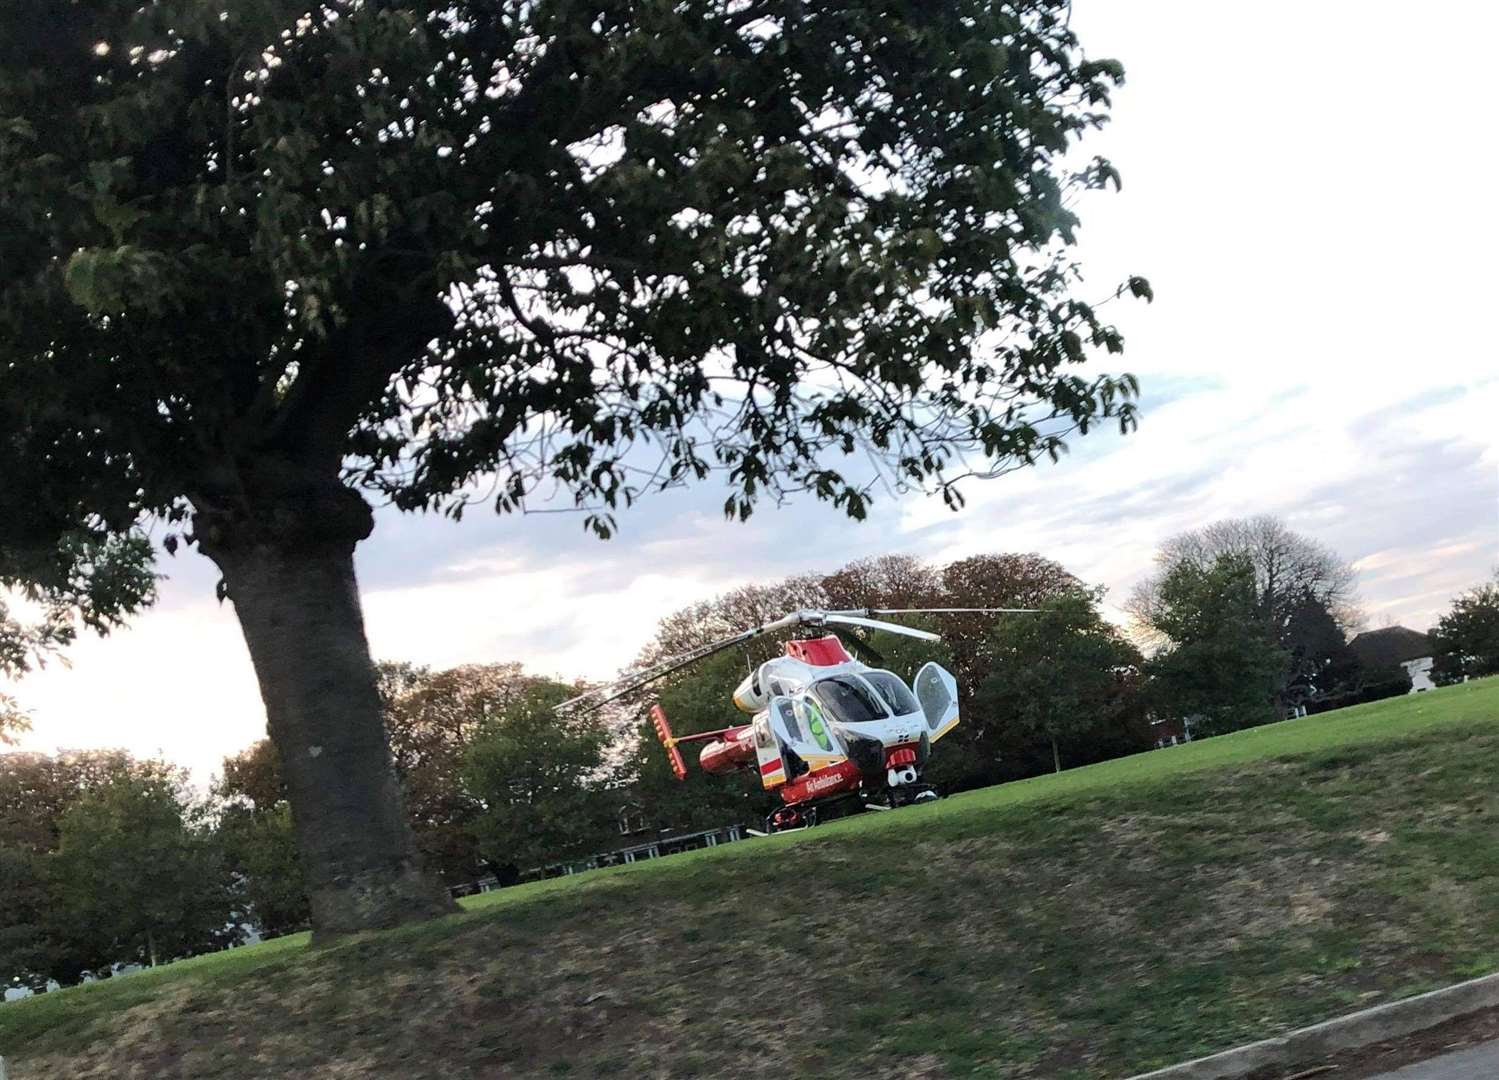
{"x": 849, "y": 699}
{"x": 894, "y": 691}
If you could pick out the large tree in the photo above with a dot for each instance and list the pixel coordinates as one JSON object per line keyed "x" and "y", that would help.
{"x": 1304, "y": 594}
{"x": 136, "y": 876}
{"x": 1466, "y": 638}
{"x": 540, "y": 779}
{"x": 1223, "y": 666}
{"x": 1057, "y": 675}
{"x": 13, "y": 721}
{"x": 259, "y": 260}
{"x": 1290, "y": 571}
{"x": 38, "y": 792}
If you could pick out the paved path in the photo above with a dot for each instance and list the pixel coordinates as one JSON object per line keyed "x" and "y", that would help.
{"x": 1475, "y": 1063}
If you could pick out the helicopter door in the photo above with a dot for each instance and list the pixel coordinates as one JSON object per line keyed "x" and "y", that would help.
{"x": 768, "y": 749}
{"x": 937, "y": 692}
{"x": 805, "y": 734}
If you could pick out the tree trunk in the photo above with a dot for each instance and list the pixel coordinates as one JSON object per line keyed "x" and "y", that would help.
{"x": 1056, "y": 756}
{"x": 298, "y": 605}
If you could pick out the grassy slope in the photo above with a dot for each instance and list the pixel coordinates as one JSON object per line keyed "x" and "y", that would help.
{"x": 1090, "y": 924}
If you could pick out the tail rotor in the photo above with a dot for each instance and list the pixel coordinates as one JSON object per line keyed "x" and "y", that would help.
{"x": 663, "y": 732}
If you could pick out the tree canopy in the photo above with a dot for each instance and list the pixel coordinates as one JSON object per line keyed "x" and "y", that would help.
{"x": 1290, "y": 570}
{"x": 103, "y": 858}
{"x": 1303, "y": 596}
{"x": 1223, "y": 666}
{"x": 136, "y": 877}
{"x": 536, "y": 775}
{"x": 449, "y": 241}
{"x": 1058, "y": 675}
{"x": 1466, "y": 638}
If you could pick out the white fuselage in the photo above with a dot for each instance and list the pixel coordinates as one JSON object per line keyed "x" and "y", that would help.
{"x": 884, "y": 713}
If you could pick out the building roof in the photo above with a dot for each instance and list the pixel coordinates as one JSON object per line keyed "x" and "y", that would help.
{"x": 1390, "y": 645}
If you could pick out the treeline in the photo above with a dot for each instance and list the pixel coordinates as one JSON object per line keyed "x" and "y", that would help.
{"x": 105, "y": 859}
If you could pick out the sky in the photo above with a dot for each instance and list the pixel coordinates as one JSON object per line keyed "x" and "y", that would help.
{"x": 1309, "y": 188}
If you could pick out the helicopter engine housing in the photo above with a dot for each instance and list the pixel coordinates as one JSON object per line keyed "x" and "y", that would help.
{"x": 750, "y": 696}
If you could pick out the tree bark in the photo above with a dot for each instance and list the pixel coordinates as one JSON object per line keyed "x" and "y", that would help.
{"x": 294, "y": 591}
{"x": 1056, "y": 756}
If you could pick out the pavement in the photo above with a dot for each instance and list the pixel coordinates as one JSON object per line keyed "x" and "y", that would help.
{"x": 1479, "y": 1062}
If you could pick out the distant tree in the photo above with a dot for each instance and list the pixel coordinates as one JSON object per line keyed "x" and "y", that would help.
{"x": 260, "y": 851}
{"x": 1056, "y": 676}
{"x": 27, "y": 952}
{"x": 136, "y": 876}
{"x": 1223, "y": 667}
{"x": 1290, "y": 570}
{"x": 254, "y": 832}
{"x": 1000, "y": 579}
{"x": 252, "y": 778}
{"x": 890, "y": 581}
{"x": 432, "y": 719}
{"x": 732, "y": 611}
{"x": 36, "y": 790}
{"x": 1466, "y": 639}
{"x": 258, "y": 259}
{"x": 36, "y": 793}
{"x": 1319, "y": 662}
{"x": 1294, "y": 576}
{"x": 540, "y": 780}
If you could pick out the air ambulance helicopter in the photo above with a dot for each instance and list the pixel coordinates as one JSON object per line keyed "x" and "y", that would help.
{"x": 824, "y": 727}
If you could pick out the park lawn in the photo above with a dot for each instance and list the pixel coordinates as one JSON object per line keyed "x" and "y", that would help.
{"x": 1095, "y": 923}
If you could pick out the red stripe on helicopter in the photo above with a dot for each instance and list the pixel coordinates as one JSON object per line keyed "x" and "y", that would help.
{"x": 770, "y": 767}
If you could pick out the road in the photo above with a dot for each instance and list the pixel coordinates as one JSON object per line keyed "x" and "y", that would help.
{"x": 1479, "y": 1062}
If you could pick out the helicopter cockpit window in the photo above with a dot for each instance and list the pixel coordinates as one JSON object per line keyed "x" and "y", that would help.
{"x": 895, "y": 692}
{"x": 817, "y": 733}
{"x": 849, "y": 700}
{"x": 788, "y": 717}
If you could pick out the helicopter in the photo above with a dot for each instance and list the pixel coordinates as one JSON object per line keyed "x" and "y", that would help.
{"x": 824, "y": 727}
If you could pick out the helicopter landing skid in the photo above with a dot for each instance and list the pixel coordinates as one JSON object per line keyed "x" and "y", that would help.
{"x": 805, "y": 815}
{"x": 906, "y": 795}
{"x": 790, "y": 819}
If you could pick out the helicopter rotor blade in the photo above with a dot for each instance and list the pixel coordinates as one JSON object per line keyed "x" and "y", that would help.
{"x": 876, "y": 624}
{"x": 941, "y": 611}
{"x": 631, "y": 681}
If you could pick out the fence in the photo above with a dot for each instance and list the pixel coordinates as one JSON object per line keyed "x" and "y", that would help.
{"x": 657, "y": 848}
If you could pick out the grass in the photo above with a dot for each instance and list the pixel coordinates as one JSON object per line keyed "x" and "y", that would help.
{"x": 1095, "y": 923}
